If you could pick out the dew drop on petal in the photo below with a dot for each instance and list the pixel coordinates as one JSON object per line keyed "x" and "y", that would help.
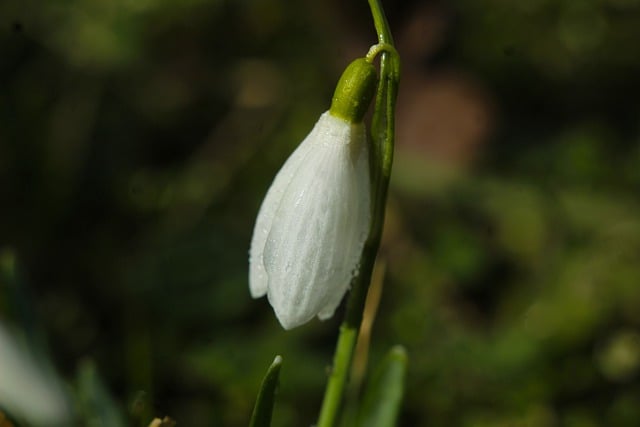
{"x": 355, "y": 271}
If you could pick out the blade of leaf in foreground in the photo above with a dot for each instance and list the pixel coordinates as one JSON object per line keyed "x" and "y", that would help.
{"x": 96, "y": 405}
{"x": 383, "y": 396}
{"x": 261, "y": 416}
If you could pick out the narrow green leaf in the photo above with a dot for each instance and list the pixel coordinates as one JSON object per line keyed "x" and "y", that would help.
{"x": 261, "y": 416}
{"x": 383, "y": 396}
{"x": 96, "y": 405}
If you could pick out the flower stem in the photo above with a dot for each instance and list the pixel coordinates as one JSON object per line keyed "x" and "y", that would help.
{"x": 338, "y": 378}
{"x": 382, "y": 135}
{"x": 380, "y": 22}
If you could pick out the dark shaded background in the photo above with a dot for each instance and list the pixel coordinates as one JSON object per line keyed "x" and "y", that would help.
{"x": 138, "y": 137}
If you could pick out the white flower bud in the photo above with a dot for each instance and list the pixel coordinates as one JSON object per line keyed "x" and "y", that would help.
{"x": 313, "y": 223}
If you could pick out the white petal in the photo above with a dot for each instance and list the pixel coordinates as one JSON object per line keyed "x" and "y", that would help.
{"x": 257, "y": 275}
{"x": 313, "y": 223}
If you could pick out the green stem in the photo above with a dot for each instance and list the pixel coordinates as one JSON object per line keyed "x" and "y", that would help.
{"x": 338, "y": 379}
{"x": 380, "y": 22}
{"x": 382, "y": 135}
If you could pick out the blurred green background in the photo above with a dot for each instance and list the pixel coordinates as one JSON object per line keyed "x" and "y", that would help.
{"x": 138, "y": 137}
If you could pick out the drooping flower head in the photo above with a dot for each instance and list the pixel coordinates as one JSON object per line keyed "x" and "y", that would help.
{"x": 315, "y": 218}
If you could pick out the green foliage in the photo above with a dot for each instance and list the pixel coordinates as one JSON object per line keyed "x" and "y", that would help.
{"x": 263, "y": 409}
{"x": 383, "y": 396}
{"x": 96, "y": 406}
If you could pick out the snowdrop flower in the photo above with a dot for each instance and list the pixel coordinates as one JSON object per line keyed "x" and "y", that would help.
{"x": 27, "y": 390}
{"x": 315, "y": 218}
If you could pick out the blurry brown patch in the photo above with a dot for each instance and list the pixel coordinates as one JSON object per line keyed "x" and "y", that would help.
{"x": 446, "y": 117}
{"x": 4, "y": 422}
